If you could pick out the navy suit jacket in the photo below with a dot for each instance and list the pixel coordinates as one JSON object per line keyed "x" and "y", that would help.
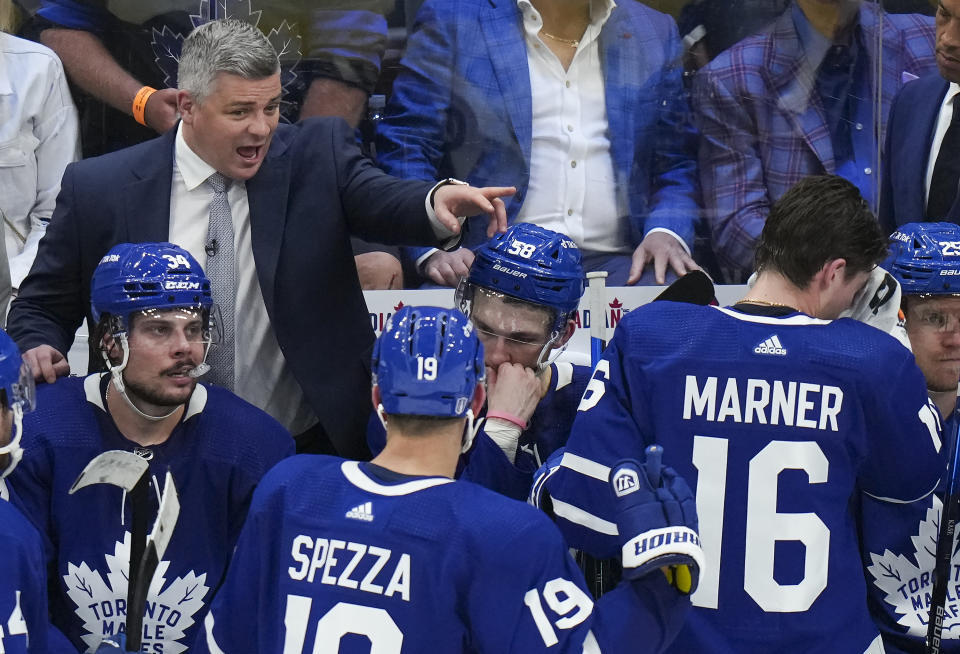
{"x": 913, "y": 119}
{"x": 462, "y": 107}
{"x": 312, "y": 192}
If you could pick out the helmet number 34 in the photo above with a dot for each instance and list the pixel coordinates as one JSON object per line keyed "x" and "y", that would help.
{"x": 177, "y": 261}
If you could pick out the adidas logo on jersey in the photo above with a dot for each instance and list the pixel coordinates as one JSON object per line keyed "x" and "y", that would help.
{"x": 362, "y": 512}
{"x": 770, "y": 346}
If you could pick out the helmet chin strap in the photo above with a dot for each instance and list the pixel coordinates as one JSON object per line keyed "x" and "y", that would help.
{"x": 470, "y": 433}
{"x": 13, "y": 447}
{"x": 116, "y": 378}
{"x": 543, "y": 360}
{"x": 382, "y": 415}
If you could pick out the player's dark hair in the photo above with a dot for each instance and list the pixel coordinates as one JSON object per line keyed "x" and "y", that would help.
{"x": 820, "y": 219}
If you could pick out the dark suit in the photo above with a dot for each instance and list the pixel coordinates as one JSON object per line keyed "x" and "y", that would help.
{"x": 313, "y": 190}
{"x": 913, "y": 120}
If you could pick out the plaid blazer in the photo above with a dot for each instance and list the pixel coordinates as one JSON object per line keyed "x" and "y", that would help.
{"x": 763, "y": 126}
{"x": 461, "y": 107}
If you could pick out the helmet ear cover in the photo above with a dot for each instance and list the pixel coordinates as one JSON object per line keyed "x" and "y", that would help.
{"x": 925, "y": 258}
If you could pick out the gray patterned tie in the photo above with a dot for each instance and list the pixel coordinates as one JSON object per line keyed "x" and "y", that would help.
{"x": 221, "y": 269}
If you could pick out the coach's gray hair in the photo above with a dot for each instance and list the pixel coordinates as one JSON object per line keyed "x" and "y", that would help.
{"x": 224, "y": 46}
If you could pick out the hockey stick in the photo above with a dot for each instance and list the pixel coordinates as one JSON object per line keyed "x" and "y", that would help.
{"x": 129, "y": 472}
{"x": 157, "y": 542}
{"x": 598, "y": 321}
{"x": 944, "y": 556}
{"x": 597, "y": 572}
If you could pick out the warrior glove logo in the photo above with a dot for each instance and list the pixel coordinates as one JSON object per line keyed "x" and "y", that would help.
{"x": 625, "y": 482}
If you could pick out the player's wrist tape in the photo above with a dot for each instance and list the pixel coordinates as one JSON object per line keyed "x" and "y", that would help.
{"x": 140, "y": 104}
{"x": 509, "y": 417}
{"x": 663, "y": 547}
{"x": 505, "y": 434}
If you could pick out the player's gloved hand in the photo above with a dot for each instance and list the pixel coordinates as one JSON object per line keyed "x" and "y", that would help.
{"x": 878, "y": 305}
{"x": 657, "y": 521}
{"x": 116, "y": 644}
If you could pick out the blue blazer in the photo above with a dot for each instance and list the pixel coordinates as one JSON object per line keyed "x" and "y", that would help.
{"x": 461, "y": 107}
{"x": 312, "y": 192}
{"x": 913, "y": 119}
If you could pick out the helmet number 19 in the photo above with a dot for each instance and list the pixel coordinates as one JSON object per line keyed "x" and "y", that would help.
{"x": 426, "y": 368}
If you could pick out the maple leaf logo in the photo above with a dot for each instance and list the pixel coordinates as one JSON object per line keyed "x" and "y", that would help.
{"x": 616, "y": 304}
{"x": 102, "y": 605}
{"x": 908, "y": 584}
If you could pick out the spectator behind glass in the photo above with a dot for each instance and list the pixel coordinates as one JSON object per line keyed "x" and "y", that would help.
{"x": 579, "y": 104}
{"x": 797, "y": 99}
{"x": 38, "y": 138}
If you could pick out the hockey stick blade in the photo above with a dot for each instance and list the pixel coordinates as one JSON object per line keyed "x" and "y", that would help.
{"x": 944, "y": 555}
{"x": 155, "y": 548}
{"x": 695, "y": 287}
{"x": 116, "y": 467}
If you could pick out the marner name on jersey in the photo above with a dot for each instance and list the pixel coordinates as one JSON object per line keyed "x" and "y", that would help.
{"x": 761, "y": 401}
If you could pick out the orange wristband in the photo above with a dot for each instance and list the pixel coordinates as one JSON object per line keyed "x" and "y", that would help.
{"x": 140, "y": 103}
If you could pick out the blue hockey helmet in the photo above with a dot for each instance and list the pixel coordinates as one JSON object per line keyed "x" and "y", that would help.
{"x": 16, "y": 395}
{"x": 529, "y": 263}
{"x": 135, "y": 277}
{"x": 925, "y": 258}
{"x": 427, "y": 362}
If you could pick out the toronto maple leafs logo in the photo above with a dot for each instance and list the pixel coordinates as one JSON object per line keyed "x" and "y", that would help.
{"x": 102, "y": 605}
{"x": 285, "y": 39}
{"x": 908, "y": 584}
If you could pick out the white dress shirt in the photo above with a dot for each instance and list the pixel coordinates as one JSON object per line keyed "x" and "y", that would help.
{"x": 572, "y": 188}
{"x": 39, "y": 136}
{"x": 263, "y": 377}
{"x": 943, "y": 123}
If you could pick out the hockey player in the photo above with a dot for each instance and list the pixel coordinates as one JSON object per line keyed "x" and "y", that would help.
{"x": 24, "y": 627}
{"x": 783, "y": 416}
{"x": 154, "y": 325}
{"x": 522, "y": 295}
{"x": 898, "y": 539}
{"x": 394, "y": 556}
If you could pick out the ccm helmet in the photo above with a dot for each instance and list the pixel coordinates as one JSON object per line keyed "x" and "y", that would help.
{"x": 138, "y": 277}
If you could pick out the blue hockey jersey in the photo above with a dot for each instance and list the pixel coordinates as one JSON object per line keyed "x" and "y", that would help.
{"x": 216, "y": 454}
{"x": 781, "y": 422}
{"x": 899, "y": 547}
{"x": 23, "y": 589}
{"x": 486, "y": 464}
{"x": 342, "y": 557}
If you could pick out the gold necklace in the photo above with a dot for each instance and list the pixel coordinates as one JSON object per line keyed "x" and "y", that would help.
{"x": 573, "y": 43}
{"x": 764, "y": 303}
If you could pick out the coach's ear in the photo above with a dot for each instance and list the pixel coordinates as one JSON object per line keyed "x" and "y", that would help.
{"x": 187, "y": 106}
